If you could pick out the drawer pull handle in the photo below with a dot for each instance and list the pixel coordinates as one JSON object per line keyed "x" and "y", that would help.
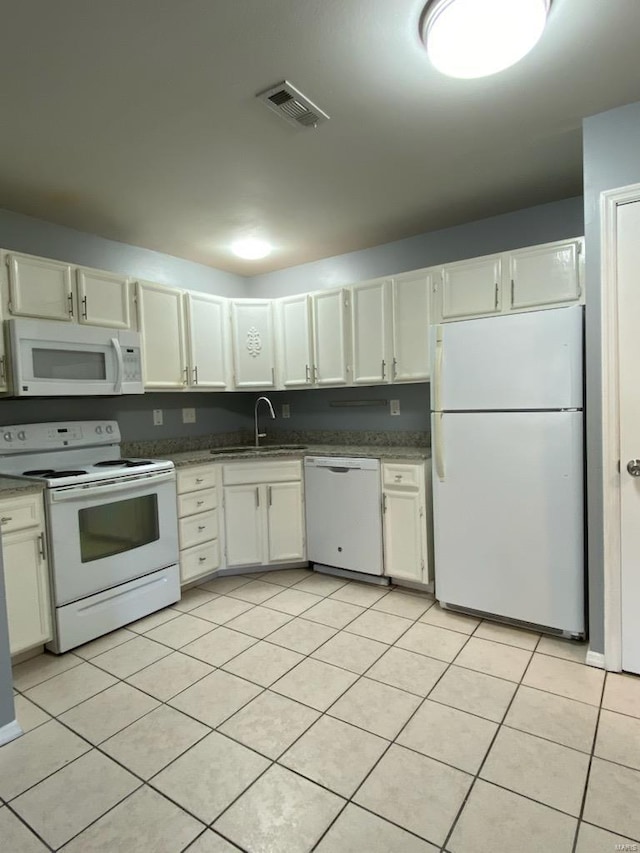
{"x": 202, "y": 559}
{"x": 398, "y": 478}
{"x": 199, "y": 503}
{"x": 202, "y": 527}
{"x": 199, "y": 480}
{"x": 6, "y": 518}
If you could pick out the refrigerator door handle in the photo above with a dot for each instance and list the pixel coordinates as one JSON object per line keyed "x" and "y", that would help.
{"x": 437, "y": 378}
{"x": 439, "y": 445}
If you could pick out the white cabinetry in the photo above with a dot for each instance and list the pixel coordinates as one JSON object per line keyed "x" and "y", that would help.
{"x": 253, "y": 343}
{"x": 295, "y": 339}
{"x": 39, "y": 287}
{"x": 472, "y": 288}
{"x": 371, "y": 332}
{"x": 330, "y": 333}
{"x": 26, "y": 572}
{"x": 545, "y": 275}
{"x": 410, "y": 296}
{"x": 103, "y": 299}
{"x": 407, "y": 514}
{"x": 263, "y": 513}
{"x": 198, "y": 526}
{"x": 163, "y": 341}
{"x": 207, "y": 324}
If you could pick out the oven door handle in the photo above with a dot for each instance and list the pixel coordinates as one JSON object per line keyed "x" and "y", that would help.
{"x": 79, "y": 493}
{"x": 115, "y": 343}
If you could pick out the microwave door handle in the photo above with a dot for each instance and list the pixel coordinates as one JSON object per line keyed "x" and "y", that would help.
{"x": 118, "y": 351}
{"x": 80, "y": 494}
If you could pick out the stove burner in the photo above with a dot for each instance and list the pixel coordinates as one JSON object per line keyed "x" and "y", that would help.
{"x": 41, "y": 472}
{"x": 55, "y": 474}
{"x": 122, "y": 463}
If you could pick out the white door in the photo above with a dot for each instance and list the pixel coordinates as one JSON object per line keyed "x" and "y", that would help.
{"x": 403, "y": 536}
{"x": 27, "y": 589}
{"x": 545, "y": 275}
{"x": 285, "y": 522}
{"x": 253, "y": 343}
{"x": 103, "y": 299}
{"x": 410, "y": 314}
{"x": 296, "y": 341}
{"x": 509, "y": 515}
{"x": 163, "y": 341}
{"x": 243, "y": 521}
{"x": 370, "y": 332}
{"x": 208, "y": 341}
{"x": 330, "y": 337}
{"x": 628, "y": 262}
{"x": 472, "y": 288}
{"x": 40, "y": 288}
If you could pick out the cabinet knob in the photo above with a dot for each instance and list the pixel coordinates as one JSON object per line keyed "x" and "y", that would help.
{"x": 202, "y": 527}
{"x": 199, "y": 480}
{"x": 202, "y": 559}
{"x": 5, "y": 519}
{"x": 199, "y": 503}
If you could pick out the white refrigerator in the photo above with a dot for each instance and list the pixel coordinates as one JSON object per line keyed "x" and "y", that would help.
{"x": 507, "y": 443}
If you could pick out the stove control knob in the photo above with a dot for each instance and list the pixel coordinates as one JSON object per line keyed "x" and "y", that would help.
{"x": 99, "y": 430}
{"x": 109, "y": 428}
{"x": 8, "y": 436}
{"x": 22, "y": 435}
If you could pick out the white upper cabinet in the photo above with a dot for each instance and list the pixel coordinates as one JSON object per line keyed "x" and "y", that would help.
{"x": 545, "y": 275}
{"x": 410, "y": 297}
{"x": 163, "y": 341}
{"x": 330, "y": 331}
{"x": 40, "y": 288}
{"x": 207, "y": 319}
{"x": 472, "y": 288}
{"x": 295, "y": 339}
{"x": 253, "y": 343}
{"x": 103, "y": 299}
{"x": 371, "y": 332}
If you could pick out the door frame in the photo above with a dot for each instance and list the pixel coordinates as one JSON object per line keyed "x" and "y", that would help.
{"x": 609, "y": 202}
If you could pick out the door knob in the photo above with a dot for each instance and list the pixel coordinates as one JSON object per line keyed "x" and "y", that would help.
{"x": 633, "y": 467}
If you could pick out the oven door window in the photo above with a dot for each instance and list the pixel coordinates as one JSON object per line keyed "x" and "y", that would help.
{"x": 114, "y": 528}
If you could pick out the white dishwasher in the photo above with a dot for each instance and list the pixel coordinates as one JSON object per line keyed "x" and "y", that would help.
{"x": 343, "y": 505}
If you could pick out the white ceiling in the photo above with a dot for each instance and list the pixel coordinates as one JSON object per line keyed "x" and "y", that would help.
{"x": 136, "y": 120}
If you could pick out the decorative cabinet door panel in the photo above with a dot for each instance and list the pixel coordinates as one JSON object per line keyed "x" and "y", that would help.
{"x": 208, "y": 341}
{"x": 40, "y": 288}
{"x": 103, "y": 299}
{"x": 545, "y": 275}
{"x": 253, "y": 343}
{"x": 285, "y": 518}
{"x": 370, "y": 332}
{"x": 472, "y": 288}
{"x": 27, "y": 591}
{"x": 330, "y": 337}
{"x": 403, "y": 522}
{"x": 411, "y": 330}
{"x": 163, "y": 344}
{"x": 296, "y": 341}
{"x": 243, "y": 522}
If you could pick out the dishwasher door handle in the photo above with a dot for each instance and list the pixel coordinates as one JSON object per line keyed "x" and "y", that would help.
{"x": 341, "y": 470}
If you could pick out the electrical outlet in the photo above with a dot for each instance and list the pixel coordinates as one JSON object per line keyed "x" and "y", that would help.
{"x": 157, "y": 417}
{"x": 286, "y": 410}
{"x": 188, "y": 416}
{"x": 394, "y": 407}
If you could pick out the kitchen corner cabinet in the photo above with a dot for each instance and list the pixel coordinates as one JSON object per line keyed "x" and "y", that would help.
{"x": 263, "y": 513}
{"x": 253, "y": 343}
{"x": 406, "y": 521}
{"x": 198, "y": 525}
{"x": 161, "y": 319}
{"x": 371, "y": 332}
{"x": 411, "y": 316}
{"x": 295, "y": 341}
{"x": 330, "y": 338}
{"x": 207, "y": 325}
{"x": 103, "y": 299}
{"x": 26, "y": 573}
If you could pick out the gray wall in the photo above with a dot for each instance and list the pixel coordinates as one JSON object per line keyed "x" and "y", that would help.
{"x": 611, "y": 143}
{"x": 541, "y": 224}
{"x": 36, "y": 237}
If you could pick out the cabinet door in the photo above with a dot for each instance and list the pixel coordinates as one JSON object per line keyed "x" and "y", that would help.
{"x": 403, "y": 535}
{"x": 243, "y": 520}
{"x": 472, "y": 288}
{"x": 330, "y": 337}
{"x": 545, "y": 275}
{"x": 162, "y": 328}
{"x": 370, "y": 332}
{"x": 253, "y": 343}
{"x": 296, "y": 341}
{"x": 208, "y": 341}
{"x": 411, "y": 330}
{"x": 285, "y": 522}
{"x": 103, "y": 299}
{"x": 3, "y": 365}
{"x": 27, "y": 590}
{"x": 40, "y": 288}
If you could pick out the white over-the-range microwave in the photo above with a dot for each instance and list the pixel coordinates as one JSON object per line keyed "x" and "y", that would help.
{"x": 48, "y": 359}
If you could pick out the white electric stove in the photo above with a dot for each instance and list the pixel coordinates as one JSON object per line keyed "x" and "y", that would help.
{"x": 111, "y": 525}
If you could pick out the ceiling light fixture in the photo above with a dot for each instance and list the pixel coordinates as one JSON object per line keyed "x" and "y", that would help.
{"x": 476, "y": 38}
{"x": 251, "y": 248}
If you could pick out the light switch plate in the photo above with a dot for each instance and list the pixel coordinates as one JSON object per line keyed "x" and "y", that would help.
{"x": 157, "y": 417}
{"x": 286, "y": 410}
{"x": 394, "y": 407}
{"x": 188, "y": 416}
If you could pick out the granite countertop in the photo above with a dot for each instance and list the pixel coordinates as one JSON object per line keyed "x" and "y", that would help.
{"x": 10, "y": 486}
{"x": 198, "y": 457}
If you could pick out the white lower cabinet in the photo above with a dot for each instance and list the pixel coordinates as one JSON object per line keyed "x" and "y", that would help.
{"x": 198, "y": 524}
{"x": 263, "y": 513}
{"x": 407, "y": 514}
{"x": 26, "y": 572}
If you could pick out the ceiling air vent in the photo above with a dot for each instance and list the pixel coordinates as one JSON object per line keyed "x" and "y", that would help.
{"x": 292, "y": 106}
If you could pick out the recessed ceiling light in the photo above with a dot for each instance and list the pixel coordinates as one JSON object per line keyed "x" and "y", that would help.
{"x": 476, "y": 38}
{"x": 251, "y": 248}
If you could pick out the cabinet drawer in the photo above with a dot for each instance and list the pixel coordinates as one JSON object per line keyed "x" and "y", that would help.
{"x": 195, "y": 479}
{"x": 20, "y": 513}
{"x": 198, "y": 561}
{"x": 261, "y": 472}
{"x": 196, "y": 529}
{"x": 407, "y": 476}
{"x": 195, "y": 502}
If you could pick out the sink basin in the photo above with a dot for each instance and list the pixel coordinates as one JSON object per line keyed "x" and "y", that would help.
{"x": 249, "y": 448}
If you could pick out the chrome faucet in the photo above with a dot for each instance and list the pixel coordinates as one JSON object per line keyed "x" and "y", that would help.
{"x": 260, "y": 435}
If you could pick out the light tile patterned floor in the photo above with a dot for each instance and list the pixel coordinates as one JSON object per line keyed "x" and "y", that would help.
{"x": 290, "y": 712}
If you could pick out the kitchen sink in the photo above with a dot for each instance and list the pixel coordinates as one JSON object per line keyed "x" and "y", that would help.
{"x": 249, "y": 448}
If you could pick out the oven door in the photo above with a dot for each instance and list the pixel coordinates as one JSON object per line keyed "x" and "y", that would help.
{"x": 106, "y": 534}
